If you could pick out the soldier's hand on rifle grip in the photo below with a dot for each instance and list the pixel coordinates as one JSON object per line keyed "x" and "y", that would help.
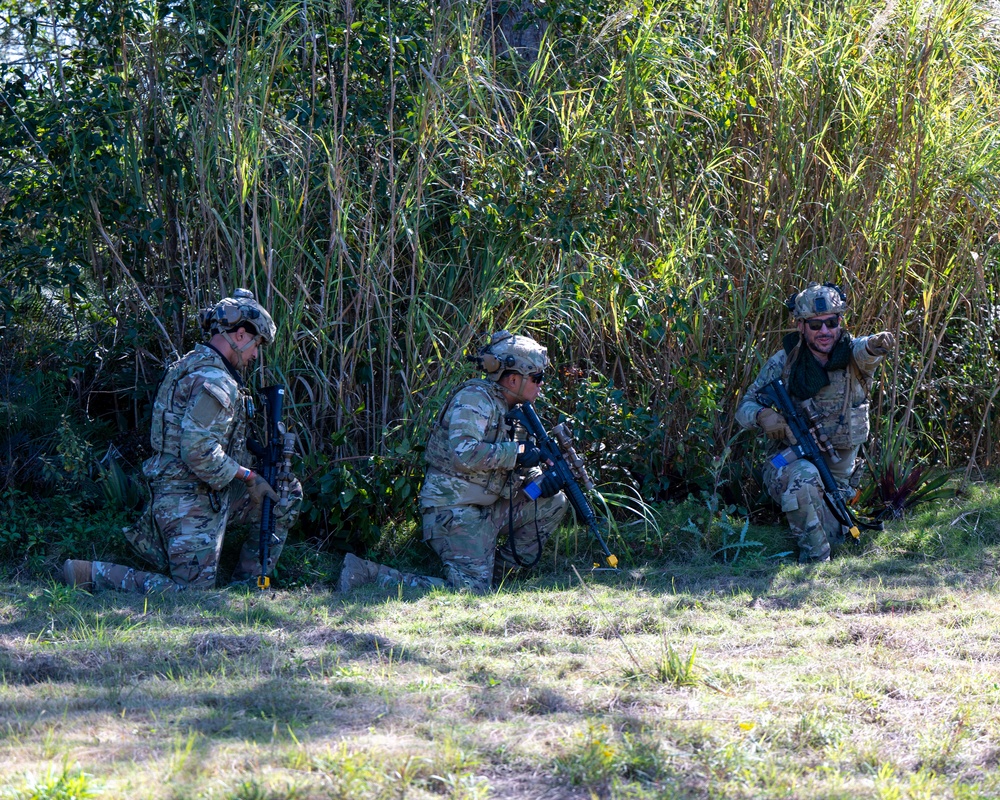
{"x": 259, "y": 488}
{"x": 774, "y": 426}
{"x": 528, "y": 455}
{"x": 550, "y": 484}
{"x": 880, "y": 344}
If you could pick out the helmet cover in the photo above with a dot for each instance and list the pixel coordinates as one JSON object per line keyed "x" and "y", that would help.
{"x": 509, "y": 353}
{"x": 816, "y": 301}
{"x": 233, "y": 312}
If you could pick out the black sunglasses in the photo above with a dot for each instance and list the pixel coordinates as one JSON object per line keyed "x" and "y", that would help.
{"x": 537, "y": 377}
{"x": 831, "y": 323}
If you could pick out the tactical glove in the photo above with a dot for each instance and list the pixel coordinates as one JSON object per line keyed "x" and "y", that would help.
{"x": 880, "y": 344}
{"x": 259, "y": 489}
{"x": 528, "y": 455}
{"x": 550, "y": 484}
{"x": 774, "y": 426}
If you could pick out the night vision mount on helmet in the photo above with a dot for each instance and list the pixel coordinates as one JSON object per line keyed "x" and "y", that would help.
{"x": 506, "y": 352}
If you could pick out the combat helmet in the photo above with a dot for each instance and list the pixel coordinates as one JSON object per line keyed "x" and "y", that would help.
{"x": 506, "y": 352}
{"x": 233, "y": 312}
{"x": 816, "y": 300}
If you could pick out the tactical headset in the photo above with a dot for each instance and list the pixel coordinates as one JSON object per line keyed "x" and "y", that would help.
{"x": 488, "y": 361}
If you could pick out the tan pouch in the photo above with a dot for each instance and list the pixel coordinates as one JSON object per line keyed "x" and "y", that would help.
{"x": 859, "y": 425}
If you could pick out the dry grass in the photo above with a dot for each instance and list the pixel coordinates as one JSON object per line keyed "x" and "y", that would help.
{"x": 874, "y": 676}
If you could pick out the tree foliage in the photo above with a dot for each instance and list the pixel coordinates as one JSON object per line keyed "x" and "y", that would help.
{"x": 641, "y": 194}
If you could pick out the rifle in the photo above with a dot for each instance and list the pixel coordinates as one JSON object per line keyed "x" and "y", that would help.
{"x": 275, "y": 453}
{"x": 811, "y": 445}
{"x": 567, "y": 473}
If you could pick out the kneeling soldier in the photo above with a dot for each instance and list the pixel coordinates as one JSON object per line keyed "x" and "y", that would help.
{"x": 477, "y": 463}
{"x": 199, "y": 432}
{"x": 820, "y": 363}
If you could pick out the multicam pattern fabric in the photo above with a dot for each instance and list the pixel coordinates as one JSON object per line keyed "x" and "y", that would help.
{"x": 199, "y": 424}
{"x": 199, "y": 416}
{"x": 816, "y": 300}
{"x": 798, "y": 489}
{"x": 180, "y": 535}
{"x": 232, "y": 312}
{"x": 470, "y": 453}
{"x": 520, "y": 354}
{"x": 843, "y": 410}
{"x": 465, "y": 538}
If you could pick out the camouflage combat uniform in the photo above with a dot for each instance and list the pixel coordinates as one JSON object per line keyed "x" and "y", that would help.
{"x": 843, "y": 408}
{"x": 199, "y": 425}
{"x": 466, "y": 502}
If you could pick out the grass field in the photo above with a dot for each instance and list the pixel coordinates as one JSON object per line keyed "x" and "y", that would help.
{"x": 873, "y": 676}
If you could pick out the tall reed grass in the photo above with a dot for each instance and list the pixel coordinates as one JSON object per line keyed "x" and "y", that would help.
{"x": 641, "y": 197}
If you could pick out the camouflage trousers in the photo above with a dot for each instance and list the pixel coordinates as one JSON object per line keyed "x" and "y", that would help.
{"x": 799, "y": 489}
{"x": 465, "y": 538}
{"x": 180, "y": 534}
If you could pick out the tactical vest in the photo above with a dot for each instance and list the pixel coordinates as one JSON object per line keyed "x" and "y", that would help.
{"x": 842, "y": 405}
{"x": 169, "y": 407}
{"x": 439, "y": 454}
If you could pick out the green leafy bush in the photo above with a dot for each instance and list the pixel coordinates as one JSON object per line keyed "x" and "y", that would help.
{"x": 37, "y": 532}
{"x": 641, "y": 194}
{"x": 349, "y": 503}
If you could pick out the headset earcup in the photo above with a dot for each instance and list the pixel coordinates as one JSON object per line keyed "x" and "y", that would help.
{"x": 490, "y": 363}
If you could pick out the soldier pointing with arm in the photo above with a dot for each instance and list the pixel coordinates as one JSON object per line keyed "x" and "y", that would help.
{"x": 829, "y": 373}
{"x": 477, "y": 463}
{"x": 199, "y": 432}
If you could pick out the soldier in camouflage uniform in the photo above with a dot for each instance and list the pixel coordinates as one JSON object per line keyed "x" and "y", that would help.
{"x": 477, "y": 464}
{"x": 196, "y": 477}
{"x": 822, "y": 364}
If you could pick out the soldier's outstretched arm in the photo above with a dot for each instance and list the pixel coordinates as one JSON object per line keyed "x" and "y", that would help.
{"x": 868, "y": 351}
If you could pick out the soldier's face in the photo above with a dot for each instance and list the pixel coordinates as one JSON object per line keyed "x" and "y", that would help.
{"x": 529, "y": 389}
{"x": 821, "y": 341}
{"x": 245, "y": 357}
{"x": 250, "y": 355}
{"x": 521, "y": 388}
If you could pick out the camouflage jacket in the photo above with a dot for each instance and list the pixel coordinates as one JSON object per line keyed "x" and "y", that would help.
{"x": 842, "y": 405}
{"x": 199, "y": 422}
{"x": 472, "y": 448}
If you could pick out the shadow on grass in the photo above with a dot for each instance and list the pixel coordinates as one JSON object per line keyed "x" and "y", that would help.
{"x": 219, "y": 664}
{"x": 249, "y": 666}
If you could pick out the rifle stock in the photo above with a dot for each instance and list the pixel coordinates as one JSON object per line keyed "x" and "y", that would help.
{"x": 525, "y": 415}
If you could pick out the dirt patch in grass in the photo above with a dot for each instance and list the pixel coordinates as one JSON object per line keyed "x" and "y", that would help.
{"x": 29, "y": 668}
{"x": 230, "y": 645}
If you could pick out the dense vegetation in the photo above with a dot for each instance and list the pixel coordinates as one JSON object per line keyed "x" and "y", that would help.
{"x": 640, "y": 191}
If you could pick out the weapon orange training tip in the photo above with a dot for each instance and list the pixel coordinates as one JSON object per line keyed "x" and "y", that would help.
{"x": 855, "y": 532}
{"x": 263, "y": 582}
{"x": 613, "y": 561}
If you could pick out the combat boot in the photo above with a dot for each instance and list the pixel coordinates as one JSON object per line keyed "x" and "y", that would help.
{"x": 357, "y": 572}
{"x": 78, "y": 573}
